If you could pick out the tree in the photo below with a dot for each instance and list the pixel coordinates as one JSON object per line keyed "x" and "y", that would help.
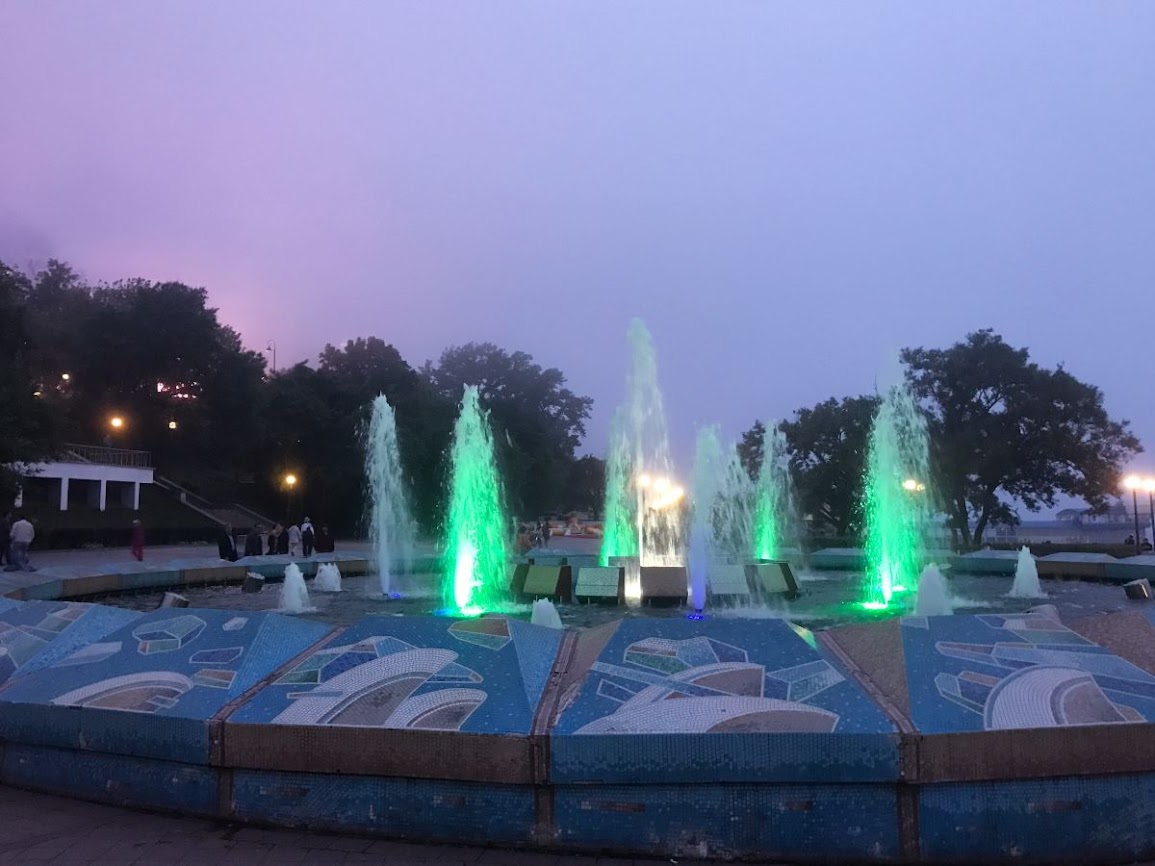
{"x": 355, "y": 374}
{"x": 750, "y": 449}
{"x": 26, "y": 433}
{"x": 1002, "y": 426}
{"x": 827, "y": 447}
{"x": 586, "y": 488}
{"x": 538, "y": 422}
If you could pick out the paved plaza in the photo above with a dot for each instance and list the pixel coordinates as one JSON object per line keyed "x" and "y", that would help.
{"x": 56, "y": 830}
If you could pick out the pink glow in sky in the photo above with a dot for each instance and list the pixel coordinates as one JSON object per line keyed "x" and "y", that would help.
{"x": 785, "y": 192}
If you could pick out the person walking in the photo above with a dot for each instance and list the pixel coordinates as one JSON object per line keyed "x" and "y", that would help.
{"x": 226, "y": 545}
{"x": 325, "y": 543}
{"x": 137, "y": 541}
{"x": 274, "y": 539}
{"x": 308, "y": 536}
{"x": 253, "y": 541}
{"x": 20, "y": 538}
{"x": 295, "y": 541}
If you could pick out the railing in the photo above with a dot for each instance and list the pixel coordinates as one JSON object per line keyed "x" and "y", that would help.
{"x": 105, "y": 456}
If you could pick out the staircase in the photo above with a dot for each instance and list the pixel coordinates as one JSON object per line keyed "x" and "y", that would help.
{"x": 231, "y": 514}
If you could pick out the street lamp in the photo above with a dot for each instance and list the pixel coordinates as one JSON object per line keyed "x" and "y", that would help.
{"x": 290, "y": 481}
{"x": 172, "y": 425}
{"x": 912, "y": 485}
{"x": 116, "y": 422}
{"x": 1133, "y": 483}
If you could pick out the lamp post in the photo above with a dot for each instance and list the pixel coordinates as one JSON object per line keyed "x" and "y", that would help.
{"x": 290, "y": 483}
{"x": 1149, "y": 486}
{"x": 1133, "y": 483}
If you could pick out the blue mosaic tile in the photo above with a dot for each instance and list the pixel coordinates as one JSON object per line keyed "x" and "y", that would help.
{"x": 852, "y": 822}
{"x": 1046, "y": 820}
{"x": 139, "y": 689}
{"x": 1000, "y": 671}
{"x": 36, "y": 634}
{"x": 420, "y": 808}
{"x": 754, "y": 702}
{"x": 112, "y": 778}
{"x": 478, "y": 676}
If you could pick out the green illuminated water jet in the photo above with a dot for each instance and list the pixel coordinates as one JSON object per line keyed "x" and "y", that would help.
{"x": 896, "y": 498}
{"x": 476, "y": 542}
{"x": 774, "y": 503}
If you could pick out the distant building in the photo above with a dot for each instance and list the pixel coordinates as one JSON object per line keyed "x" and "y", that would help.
{"x": 88, "y": 476}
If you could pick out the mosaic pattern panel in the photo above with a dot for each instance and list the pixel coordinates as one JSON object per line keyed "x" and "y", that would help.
{"x": 169, "y": 666}
{"x": 35, "y": 634}
{"x": 714, "y": 676}
{"x": 660, "y": 690}
{"x": 482, "y": 675}
{"x": 999, "y": 671}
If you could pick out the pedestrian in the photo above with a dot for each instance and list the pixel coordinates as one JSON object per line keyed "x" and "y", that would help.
{"x": 274, "y": 538}
{"x": 20, "y": 537}
{"x": 295, "y": 541}
{"x": 308, "y": 536}
{"x": 253, "y": 541}
{"x": 226, "y": 546}
{"x": 325, "y": 543}
{"x": 282, "y": 540}
{"x": 6, "y": 538}
{"x": 137, "y": 541}
{"x": 545, "y": 533}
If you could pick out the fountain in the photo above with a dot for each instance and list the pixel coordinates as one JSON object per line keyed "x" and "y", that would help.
{"x": 774, "y": 515}
{"x": 294, "y": 593}
{"x": 720, "y": 526}
{"x": 896, "y": 498}
{"x": 544, "y": 613}
{"x": 640, "y": 520}
{"x": 1026, "y": 583}
{"x": 391, "y": 528}
{"x": 476, "y": 540}
{"x": 933, "y": 596}
{"x": 328, "y": 578}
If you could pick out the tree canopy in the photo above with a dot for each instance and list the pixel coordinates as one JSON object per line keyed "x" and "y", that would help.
{"x": 1003, "y": 427}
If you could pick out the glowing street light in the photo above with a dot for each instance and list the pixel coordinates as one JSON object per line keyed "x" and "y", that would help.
{"x": 912, "y": 485}
{"x": 172, "y": 425}
{"x": 116, "y": 422}
{"x": 1135, "y": 483}
{"x": 67, "y": 377}
{"x": 290, "y": 481}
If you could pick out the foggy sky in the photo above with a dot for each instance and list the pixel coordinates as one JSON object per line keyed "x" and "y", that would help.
{"x": 786, "y": 193}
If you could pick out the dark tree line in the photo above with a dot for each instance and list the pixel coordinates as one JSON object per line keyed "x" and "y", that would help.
{"x": 1002, "y": 430}
{"x": 155, "y": 355}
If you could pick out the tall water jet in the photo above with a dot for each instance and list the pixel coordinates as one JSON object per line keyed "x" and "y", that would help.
{"x": 774, "y": 515}
{"x": 642, "y": 513}
{"x": 391, "y": 527}
{"x": 1026, "y": 583}
{"x": 897, "y": 497}
{"x": 933, "y": 596}
{"x": 476, "y": 539}
{"x": 720, "y": 525}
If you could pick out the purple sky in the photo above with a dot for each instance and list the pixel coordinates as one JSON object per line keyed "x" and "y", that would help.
{"x": 785, "y": 192}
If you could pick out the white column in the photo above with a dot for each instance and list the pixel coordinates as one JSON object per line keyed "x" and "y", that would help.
{"x": 103, "y": 493}
{"x": 136, "y": 496}
{"x": 64, "y": 494}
